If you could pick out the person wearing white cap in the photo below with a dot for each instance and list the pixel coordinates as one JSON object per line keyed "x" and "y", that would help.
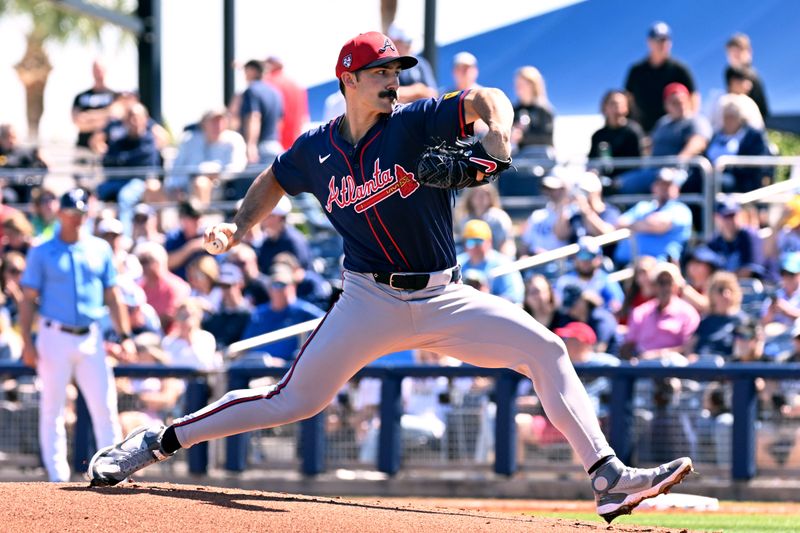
{"x": 281, "y": 236}
{"x": 587, "y": 214}
{"x": 111, "y": 230}
{"x": 539, "y": 234}
{"x": 465, "y": 72}
{"x": 418, "y": 81}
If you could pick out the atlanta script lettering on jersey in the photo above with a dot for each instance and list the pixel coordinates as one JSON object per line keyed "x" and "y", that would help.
{"x": 380, "y": 186}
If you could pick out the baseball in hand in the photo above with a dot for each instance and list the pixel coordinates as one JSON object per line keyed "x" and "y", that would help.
{"x": 218, "y": 245}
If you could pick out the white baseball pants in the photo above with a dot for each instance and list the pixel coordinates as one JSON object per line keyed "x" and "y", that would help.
{"x": 62, "y": 355}
{"x": 371, "y": 319}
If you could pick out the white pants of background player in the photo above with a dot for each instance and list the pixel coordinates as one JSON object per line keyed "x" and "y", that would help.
{"x": 62, "y": 355}
{"x": 371, "y": 319}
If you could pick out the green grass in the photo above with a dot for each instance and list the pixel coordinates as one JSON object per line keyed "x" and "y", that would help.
{"x": 698, "y": 521}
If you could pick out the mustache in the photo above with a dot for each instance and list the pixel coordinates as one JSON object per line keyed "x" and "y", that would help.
{"x": 390, "y": 93}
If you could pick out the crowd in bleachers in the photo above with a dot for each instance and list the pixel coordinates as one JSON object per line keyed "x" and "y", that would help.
{"x": 735, "y": 297}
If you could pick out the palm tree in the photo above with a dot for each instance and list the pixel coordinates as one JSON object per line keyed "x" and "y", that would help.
{"x": 49, "y": 24}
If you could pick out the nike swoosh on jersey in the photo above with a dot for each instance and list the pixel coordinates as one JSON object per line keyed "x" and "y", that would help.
{"x": 323, "y": 159}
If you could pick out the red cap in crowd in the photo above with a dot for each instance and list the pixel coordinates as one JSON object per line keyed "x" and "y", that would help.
{"x": 369, "y": 50}
{"x": 675, "y": 88}
{"x": 578, "y": 330}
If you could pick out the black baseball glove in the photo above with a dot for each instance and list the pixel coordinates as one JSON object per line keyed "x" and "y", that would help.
{"x": 456, "y": 166}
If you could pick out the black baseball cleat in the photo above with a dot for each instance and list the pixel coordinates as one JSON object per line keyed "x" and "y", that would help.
{"x": 141, "y": 448}
{"x": 618, "y": 488}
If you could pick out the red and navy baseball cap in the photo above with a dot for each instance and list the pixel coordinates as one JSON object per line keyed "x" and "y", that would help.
{"x": 369, "y": 50}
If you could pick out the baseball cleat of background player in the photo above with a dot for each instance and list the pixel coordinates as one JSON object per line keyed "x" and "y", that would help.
{"x": 141, "y": 448}
{"x": 619, "y": 488}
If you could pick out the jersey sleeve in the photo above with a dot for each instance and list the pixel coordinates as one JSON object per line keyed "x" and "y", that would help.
{"x": 33, "y": 274}
{"x": 291, "y": 167}
{"x": 442, "y": 118}
{"x": 109, "y": 273}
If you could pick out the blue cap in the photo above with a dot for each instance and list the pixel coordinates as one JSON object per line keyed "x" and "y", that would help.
{"x": 791, "y": 262}
{"x": 704, "y": 254}
{"x": 75, "y": 199}
{"x": 660, "y": 31}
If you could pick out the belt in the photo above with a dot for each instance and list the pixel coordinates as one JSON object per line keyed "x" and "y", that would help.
{"x": 74, "y": 330}
{"x": 402, "y": 281}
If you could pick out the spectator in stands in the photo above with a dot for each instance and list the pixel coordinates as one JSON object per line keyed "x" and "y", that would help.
{"x": 143, "y": 318}
{"x": 738, "y": 84}
{"x": 784, "y": 306}
{"x": 539, "y": 233}
{"x": 680, "y": 132}
{"x": 589, "y": 274}
{"x": 581, "y": 340}
{"x": 202, "y": 273}
{"x": 532, "y": 132}
{"x": 17, "y": 233}
{"x": 6, "y": 211}
{"x": 479, "y": 255}
{"x": 465, "y": 72}
{"x": 44, "y": 213}
{"x": 701, "y": 264}
{"x": 660, "y": 226}
{"x": 151, "y": 399}
{"x": 116, "y": 128}
{"x": 137, "y": 148}
{"x": 13, "y": 156}
{"x": 188, "y": 344}
{"x": 213, "y": 149}
{"x": 620, "y": 136}
{"x": 185, "y": 243}
{"x": 260, "y": 114}
{"x": 283, "y": 310}
{"x": 281, "y": 236}
{"x": 416, "y": 82}
{"x": 11, "y": 270}
{"x": 540, "y": 302}
{"x": 736, "y": 137}
{"x": 748, "y": 341}
{"x": 739, "y": 247}
{"x": 586, "y": 213}
{"x": 739, "y": 52}
{"x": 228, "y": 322}
{"x": 586, "y": 306}
{"x": 128, "y": 267}
{"x": 90, "y": 108}
{"x": 256, "y": 283}
{"x": 712, "y": 342}
{"x": 647, "y": 79}
{"x": 659, "y": 328}
{"x": 484, "y": 203}
{"x": 785, "y": 236}
{"x": 145, "y": 225}
{"x": 638, "y": 289}
{"x": 164, "y": 289}
{"x": 295, "y": 101}
{"x": 311, "y": 287}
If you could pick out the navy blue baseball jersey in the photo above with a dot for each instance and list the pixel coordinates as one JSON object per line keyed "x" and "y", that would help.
{"x": 389, "y": 222}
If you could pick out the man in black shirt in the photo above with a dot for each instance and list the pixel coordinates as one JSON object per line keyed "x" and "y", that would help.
{"x": 14, "y": 156}
{"x": 648, "y": 78}
{"x": 90, "y": 108}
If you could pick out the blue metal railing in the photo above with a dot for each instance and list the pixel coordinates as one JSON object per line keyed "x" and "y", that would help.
{"x": 744, "y": 408}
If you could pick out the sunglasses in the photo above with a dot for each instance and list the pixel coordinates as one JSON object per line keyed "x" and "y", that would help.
{"x": 470, "y": 243}
{"x": 278, "y": 285}
{"x": 664, "y": 281}
{"x": 14, "y": 271}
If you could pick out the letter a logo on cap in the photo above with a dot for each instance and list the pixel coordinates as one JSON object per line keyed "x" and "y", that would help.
{"x": 386, "y": 44}
{"x": 347, "y": 61}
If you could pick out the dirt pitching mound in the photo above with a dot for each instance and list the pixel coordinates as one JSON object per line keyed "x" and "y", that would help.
{"x": 157, "y": 507}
